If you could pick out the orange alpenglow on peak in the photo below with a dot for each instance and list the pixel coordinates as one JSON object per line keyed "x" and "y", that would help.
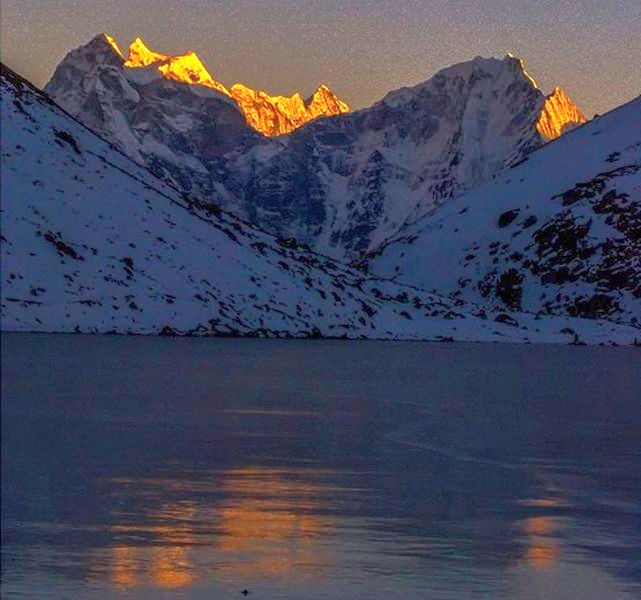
{"x": 559, "y": 115}
{"x": 189, "y": 69}
{"x": 278, "y": 115}
{"x": 269, "y": 115}
{"x": 325, "y": 102}
{"x": 112, "y": 42}
{"x": 141, "y": 56}
{"x": 185, "y": 68}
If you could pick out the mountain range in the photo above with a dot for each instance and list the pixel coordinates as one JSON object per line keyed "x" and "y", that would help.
{"x": 94, "y": 243}
{"x": 140, "y": 195}
{"x": 343, "y": 185}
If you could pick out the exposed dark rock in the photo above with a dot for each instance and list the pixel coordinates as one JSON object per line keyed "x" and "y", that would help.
{"x": 508, "y": 217}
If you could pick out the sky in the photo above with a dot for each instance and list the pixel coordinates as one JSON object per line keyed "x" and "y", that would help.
{"x": 361, "y": 48}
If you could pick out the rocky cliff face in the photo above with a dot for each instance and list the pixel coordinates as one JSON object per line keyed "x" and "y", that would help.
{"x": 343, "y": 185}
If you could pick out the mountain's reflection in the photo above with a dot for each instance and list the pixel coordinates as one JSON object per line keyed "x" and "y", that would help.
{"x": 540, "y": 533}
{"x": 260, "y": 523}
{"x": 125, "y": 568}
{"x": 165, "y": 562}
{"x": 271, "y": 525}
{"x": 265, "y": 523}
{"x": 543, "y": 549}
{"x": 162, "y": 566}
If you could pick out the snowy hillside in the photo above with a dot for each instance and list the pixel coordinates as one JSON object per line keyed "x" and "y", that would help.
{"x": 558, "y": 234}
{"x": 93, "y": 243}
{"x": 344, "y": 184}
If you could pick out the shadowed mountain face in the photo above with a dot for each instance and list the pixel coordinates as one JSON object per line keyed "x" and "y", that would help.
{"x": 343, "y": 184}
{"x": 558, "y": 234}
{"x": 92, "y": 242}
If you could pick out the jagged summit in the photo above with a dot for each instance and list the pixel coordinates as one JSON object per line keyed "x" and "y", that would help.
{"x": 489, "y": 77}
{"x": 186, "y": 68}
{"x": 559, "y": 114}
{"x": 501, "y": 72}
{"x": 141, "y": 56}
{"x": 101, "y": 49}
{"x": 111, "y": 41}
{"x": 519, "y": 65}
{"x": 270, "y": 115}
{"x": 323, "y": 101}
{"x": 278, "y": 115}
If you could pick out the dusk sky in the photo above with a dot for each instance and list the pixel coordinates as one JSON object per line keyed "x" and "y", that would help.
{"x": 361, "y": 48}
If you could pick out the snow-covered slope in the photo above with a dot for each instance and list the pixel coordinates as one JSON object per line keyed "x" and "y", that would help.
{"x": 559, "y": 233}
{"x": 343, "y": 184}
{"x": 92, "y": 242}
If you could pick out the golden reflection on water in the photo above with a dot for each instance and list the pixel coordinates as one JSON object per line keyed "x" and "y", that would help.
{"x": 171, "y": 567}
{"x": 273, "y": 526}
{"x": 124, "y": 566}
{"x": 266, "y": 523}
{"x": 543, "y": 550}
{"x": 162, "y": 566}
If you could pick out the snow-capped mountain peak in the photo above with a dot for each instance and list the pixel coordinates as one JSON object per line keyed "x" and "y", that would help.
{"x": 185, "y": 68}
{"x": 324, "y": 102}
{"x": 141, "y": 56}
{"x": 101, "y": 49}
{"x": 279, "y": 115}
{"x": 559, "y": 114}
{"x": 343, "y": 185}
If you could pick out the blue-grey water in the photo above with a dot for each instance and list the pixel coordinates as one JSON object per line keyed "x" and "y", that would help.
{"x": 197, "y": 468}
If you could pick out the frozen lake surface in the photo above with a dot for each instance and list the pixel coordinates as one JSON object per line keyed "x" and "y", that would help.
{"x": 197, "y": 468}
